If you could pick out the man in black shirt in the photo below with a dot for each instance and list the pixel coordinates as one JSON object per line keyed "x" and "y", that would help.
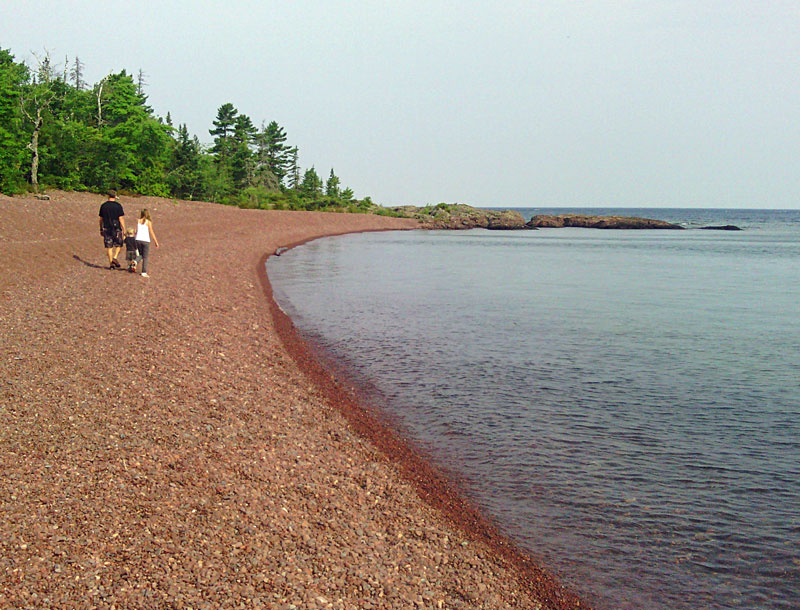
{"x": 112, "y": 227}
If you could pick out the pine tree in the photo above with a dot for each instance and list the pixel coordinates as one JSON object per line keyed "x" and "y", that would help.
{"x": 224, "y": 126}
{"x": 332, "y": 185}
{"x": 242, "y": 166}
{"x": 272, "y": 150}
{"x": 294, "y": 169}
{"x": 184, "y": 176}
{"x": 244, "y": 132}
{"x": 312, "y": 183}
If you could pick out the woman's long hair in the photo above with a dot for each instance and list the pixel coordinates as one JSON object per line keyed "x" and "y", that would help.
{"x": 145, "y": 213}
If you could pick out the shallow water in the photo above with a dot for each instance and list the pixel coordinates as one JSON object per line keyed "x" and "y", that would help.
{"x": 625, "y": 404}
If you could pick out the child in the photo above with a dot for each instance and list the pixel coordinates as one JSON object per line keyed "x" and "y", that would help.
{"x": 144, "y": 232}
{"x": 130, "y": 249}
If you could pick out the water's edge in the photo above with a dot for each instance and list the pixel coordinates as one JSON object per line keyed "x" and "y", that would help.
{"x": 356, "y": 401}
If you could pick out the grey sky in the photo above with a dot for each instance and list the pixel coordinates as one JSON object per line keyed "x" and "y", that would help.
{"x": 652, "y": 103}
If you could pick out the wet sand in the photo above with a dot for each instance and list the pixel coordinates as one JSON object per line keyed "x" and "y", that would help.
{"x": 170, "y": 442}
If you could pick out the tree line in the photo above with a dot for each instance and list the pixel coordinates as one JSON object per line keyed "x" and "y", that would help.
{"x": 56, "y": 131}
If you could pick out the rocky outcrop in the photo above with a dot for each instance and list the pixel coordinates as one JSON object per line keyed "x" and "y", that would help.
{"x": 723, "y": 228}
{"x": 504, "y": 220}
{"x": 459, "y": 216}
{"x": 598, "y": 222}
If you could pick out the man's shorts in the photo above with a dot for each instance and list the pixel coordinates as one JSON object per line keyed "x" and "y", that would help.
{"x": 112, "y": 238}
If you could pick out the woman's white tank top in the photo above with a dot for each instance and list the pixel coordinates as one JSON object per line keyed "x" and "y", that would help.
{"x": 142, "y": 232}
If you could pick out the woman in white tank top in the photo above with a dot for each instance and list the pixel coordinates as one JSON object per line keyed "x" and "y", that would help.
{"x": 144, "y": 233}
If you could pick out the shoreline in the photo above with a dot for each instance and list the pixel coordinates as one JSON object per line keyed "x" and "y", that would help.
{"x": 434, "y": 486}
{"x": 163, "y": 445}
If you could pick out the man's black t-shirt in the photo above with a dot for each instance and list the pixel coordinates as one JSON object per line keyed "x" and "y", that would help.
{"x": 110, "y": 212}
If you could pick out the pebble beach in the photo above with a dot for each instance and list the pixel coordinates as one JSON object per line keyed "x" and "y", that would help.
{"x": 171, "y": 442}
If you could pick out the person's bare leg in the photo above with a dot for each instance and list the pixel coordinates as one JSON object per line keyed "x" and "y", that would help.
{"x": 116, "y": 251}
{"x": 110, "y": 253}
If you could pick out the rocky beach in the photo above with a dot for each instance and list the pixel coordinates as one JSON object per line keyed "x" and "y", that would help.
{"x": 170, "y": 442}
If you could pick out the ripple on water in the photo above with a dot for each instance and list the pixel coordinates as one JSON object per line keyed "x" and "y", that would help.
{"x": 650, "y": 468}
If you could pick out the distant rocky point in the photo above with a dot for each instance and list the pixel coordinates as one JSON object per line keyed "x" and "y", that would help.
{"x": 723, "y": 228}
{"x": 460, "y": 216}
{"x": 598, "y": 222}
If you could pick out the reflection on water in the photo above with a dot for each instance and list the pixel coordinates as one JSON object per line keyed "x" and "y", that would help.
{"x": 625, "y": 404}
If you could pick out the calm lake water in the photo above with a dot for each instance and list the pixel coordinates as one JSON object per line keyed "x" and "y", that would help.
{"x": 626, "y": 404}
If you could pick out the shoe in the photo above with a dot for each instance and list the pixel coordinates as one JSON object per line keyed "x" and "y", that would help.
{"x": 110, "y": 265}
{"x": 115, "y": 263}
{"x": 145, "y": 275}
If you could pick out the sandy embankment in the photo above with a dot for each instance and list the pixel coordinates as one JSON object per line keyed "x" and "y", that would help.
{"x": 161, "y": 448}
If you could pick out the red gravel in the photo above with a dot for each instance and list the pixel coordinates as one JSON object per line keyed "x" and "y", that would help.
{"x": 167, "y": 443}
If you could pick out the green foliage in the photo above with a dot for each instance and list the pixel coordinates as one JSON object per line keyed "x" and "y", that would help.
{"x": 311, "y": 186}
{"x": 12, "y": 140}
{"x": 101, "y": 136}
{"x": 273, "y": 154}
{"x": 184, "y": 176}
{"x": 332, "y": 185}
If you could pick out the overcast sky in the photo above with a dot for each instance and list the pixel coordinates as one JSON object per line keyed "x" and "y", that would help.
{"x": 513, "y": 103}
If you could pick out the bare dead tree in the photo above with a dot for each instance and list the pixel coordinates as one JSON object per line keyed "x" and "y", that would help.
{"x": 33, "y": 107}
{"x": 46, "y": 71}
{"x": 76, "y": 74}
{"x": 34, "y": 103}
{"x": 140, "y": 82}
{"x": 99, "y": 95}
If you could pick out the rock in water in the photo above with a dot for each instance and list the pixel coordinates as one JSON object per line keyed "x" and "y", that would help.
{"x": 598, "y": 222}
{"x": 459, "y": 216}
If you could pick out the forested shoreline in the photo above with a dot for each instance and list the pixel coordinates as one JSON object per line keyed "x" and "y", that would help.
{"x": 57, "y": 131}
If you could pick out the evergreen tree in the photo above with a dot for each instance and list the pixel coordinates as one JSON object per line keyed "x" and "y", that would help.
{"x": 132, "y": 149}
{"x": 241, "y": 162}
{"x": 294, "y": 169}
{"x": 184, "y": 176}
{"x": 332, "y": 185}
{"x": 223, "y": 131}
{"x": 68, "y": 138}
{"x": 273, "y": 151}
{"x": 13, "y": 76}
{"x": 60, "y": 131}
{"x": 244, "y": 132}
{"x": 121, "y": 100}
{"x": 311, "y": 185}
